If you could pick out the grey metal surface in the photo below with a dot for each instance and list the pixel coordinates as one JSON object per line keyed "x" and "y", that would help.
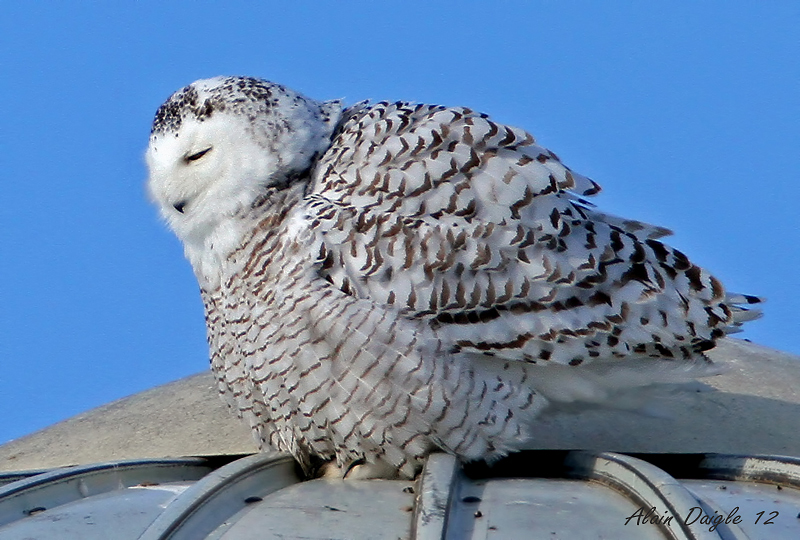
{"x": 766, "y": 511}
{"x": 534, "y": 494}
{"x": 91, "y": 501}
{"x": 645, "y": 485}
{"x": 123, "y": 513}
{"x": 521, "y": 509}
{"x": 329, "y": 509}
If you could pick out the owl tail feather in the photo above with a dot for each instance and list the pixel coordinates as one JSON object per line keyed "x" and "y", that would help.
{"x": 741, "y": 314}
{"x": 640, "y": 385}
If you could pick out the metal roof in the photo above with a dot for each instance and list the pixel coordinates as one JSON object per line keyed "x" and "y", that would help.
{"x": 753, "y": 408}
{"x": 533, "y": 494}
{"x": 676, "y": 466}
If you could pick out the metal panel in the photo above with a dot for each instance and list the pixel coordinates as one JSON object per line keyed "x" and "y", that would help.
{"x": 534, "y": 494}
{"x": 645, "y": 484}
{"x": 765, "y": 511}
{"x": 208, "y": 507}
{"x": 121, "y": 514}
{"x": 525, "y": 508}
{"x": 329, "y": 510}
{"x": 89, "y": 501}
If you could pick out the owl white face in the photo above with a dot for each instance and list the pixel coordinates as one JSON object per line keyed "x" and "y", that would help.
{"x": 218, "y": 144}
{"x": 205, "y": 171}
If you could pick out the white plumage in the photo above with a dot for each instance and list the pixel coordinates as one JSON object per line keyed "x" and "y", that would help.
{"x": 392, "y": 278}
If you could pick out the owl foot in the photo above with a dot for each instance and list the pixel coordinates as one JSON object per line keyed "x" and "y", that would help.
{"x": 357, "y": 470}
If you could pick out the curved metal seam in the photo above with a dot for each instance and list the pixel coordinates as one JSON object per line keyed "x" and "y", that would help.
{"x": 728, "y": 531}
{"x": 182, "y": 513}
{"x": 436, "y": 487}
{"x": 780, "y": 469}
{"x": 644, "y": 483}
{"x": 54, "y": 484}
{"x": 66, "y": 473}
{"x": 11, "y": 477}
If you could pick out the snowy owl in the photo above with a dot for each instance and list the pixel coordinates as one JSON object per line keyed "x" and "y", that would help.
{"x": 388, "y": 279}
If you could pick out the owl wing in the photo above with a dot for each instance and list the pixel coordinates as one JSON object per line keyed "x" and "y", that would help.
{"x": 455, "y": 219}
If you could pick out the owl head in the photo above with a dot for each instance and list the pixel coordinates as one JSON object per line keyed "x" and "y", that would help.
{"x": 218, "y": 144}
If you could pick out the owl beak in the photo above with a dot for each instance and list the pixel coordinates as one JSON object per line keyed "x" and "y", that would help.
{"x": 179, "y": 206}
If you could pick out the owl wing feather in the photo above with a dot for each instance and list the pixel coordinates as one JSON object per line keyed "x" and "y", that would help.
{"x": 469, "y": 224}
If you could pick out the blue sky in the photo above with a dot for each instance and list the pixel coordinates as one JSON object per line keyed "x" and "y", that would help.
{"x": 688, "y": 114}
